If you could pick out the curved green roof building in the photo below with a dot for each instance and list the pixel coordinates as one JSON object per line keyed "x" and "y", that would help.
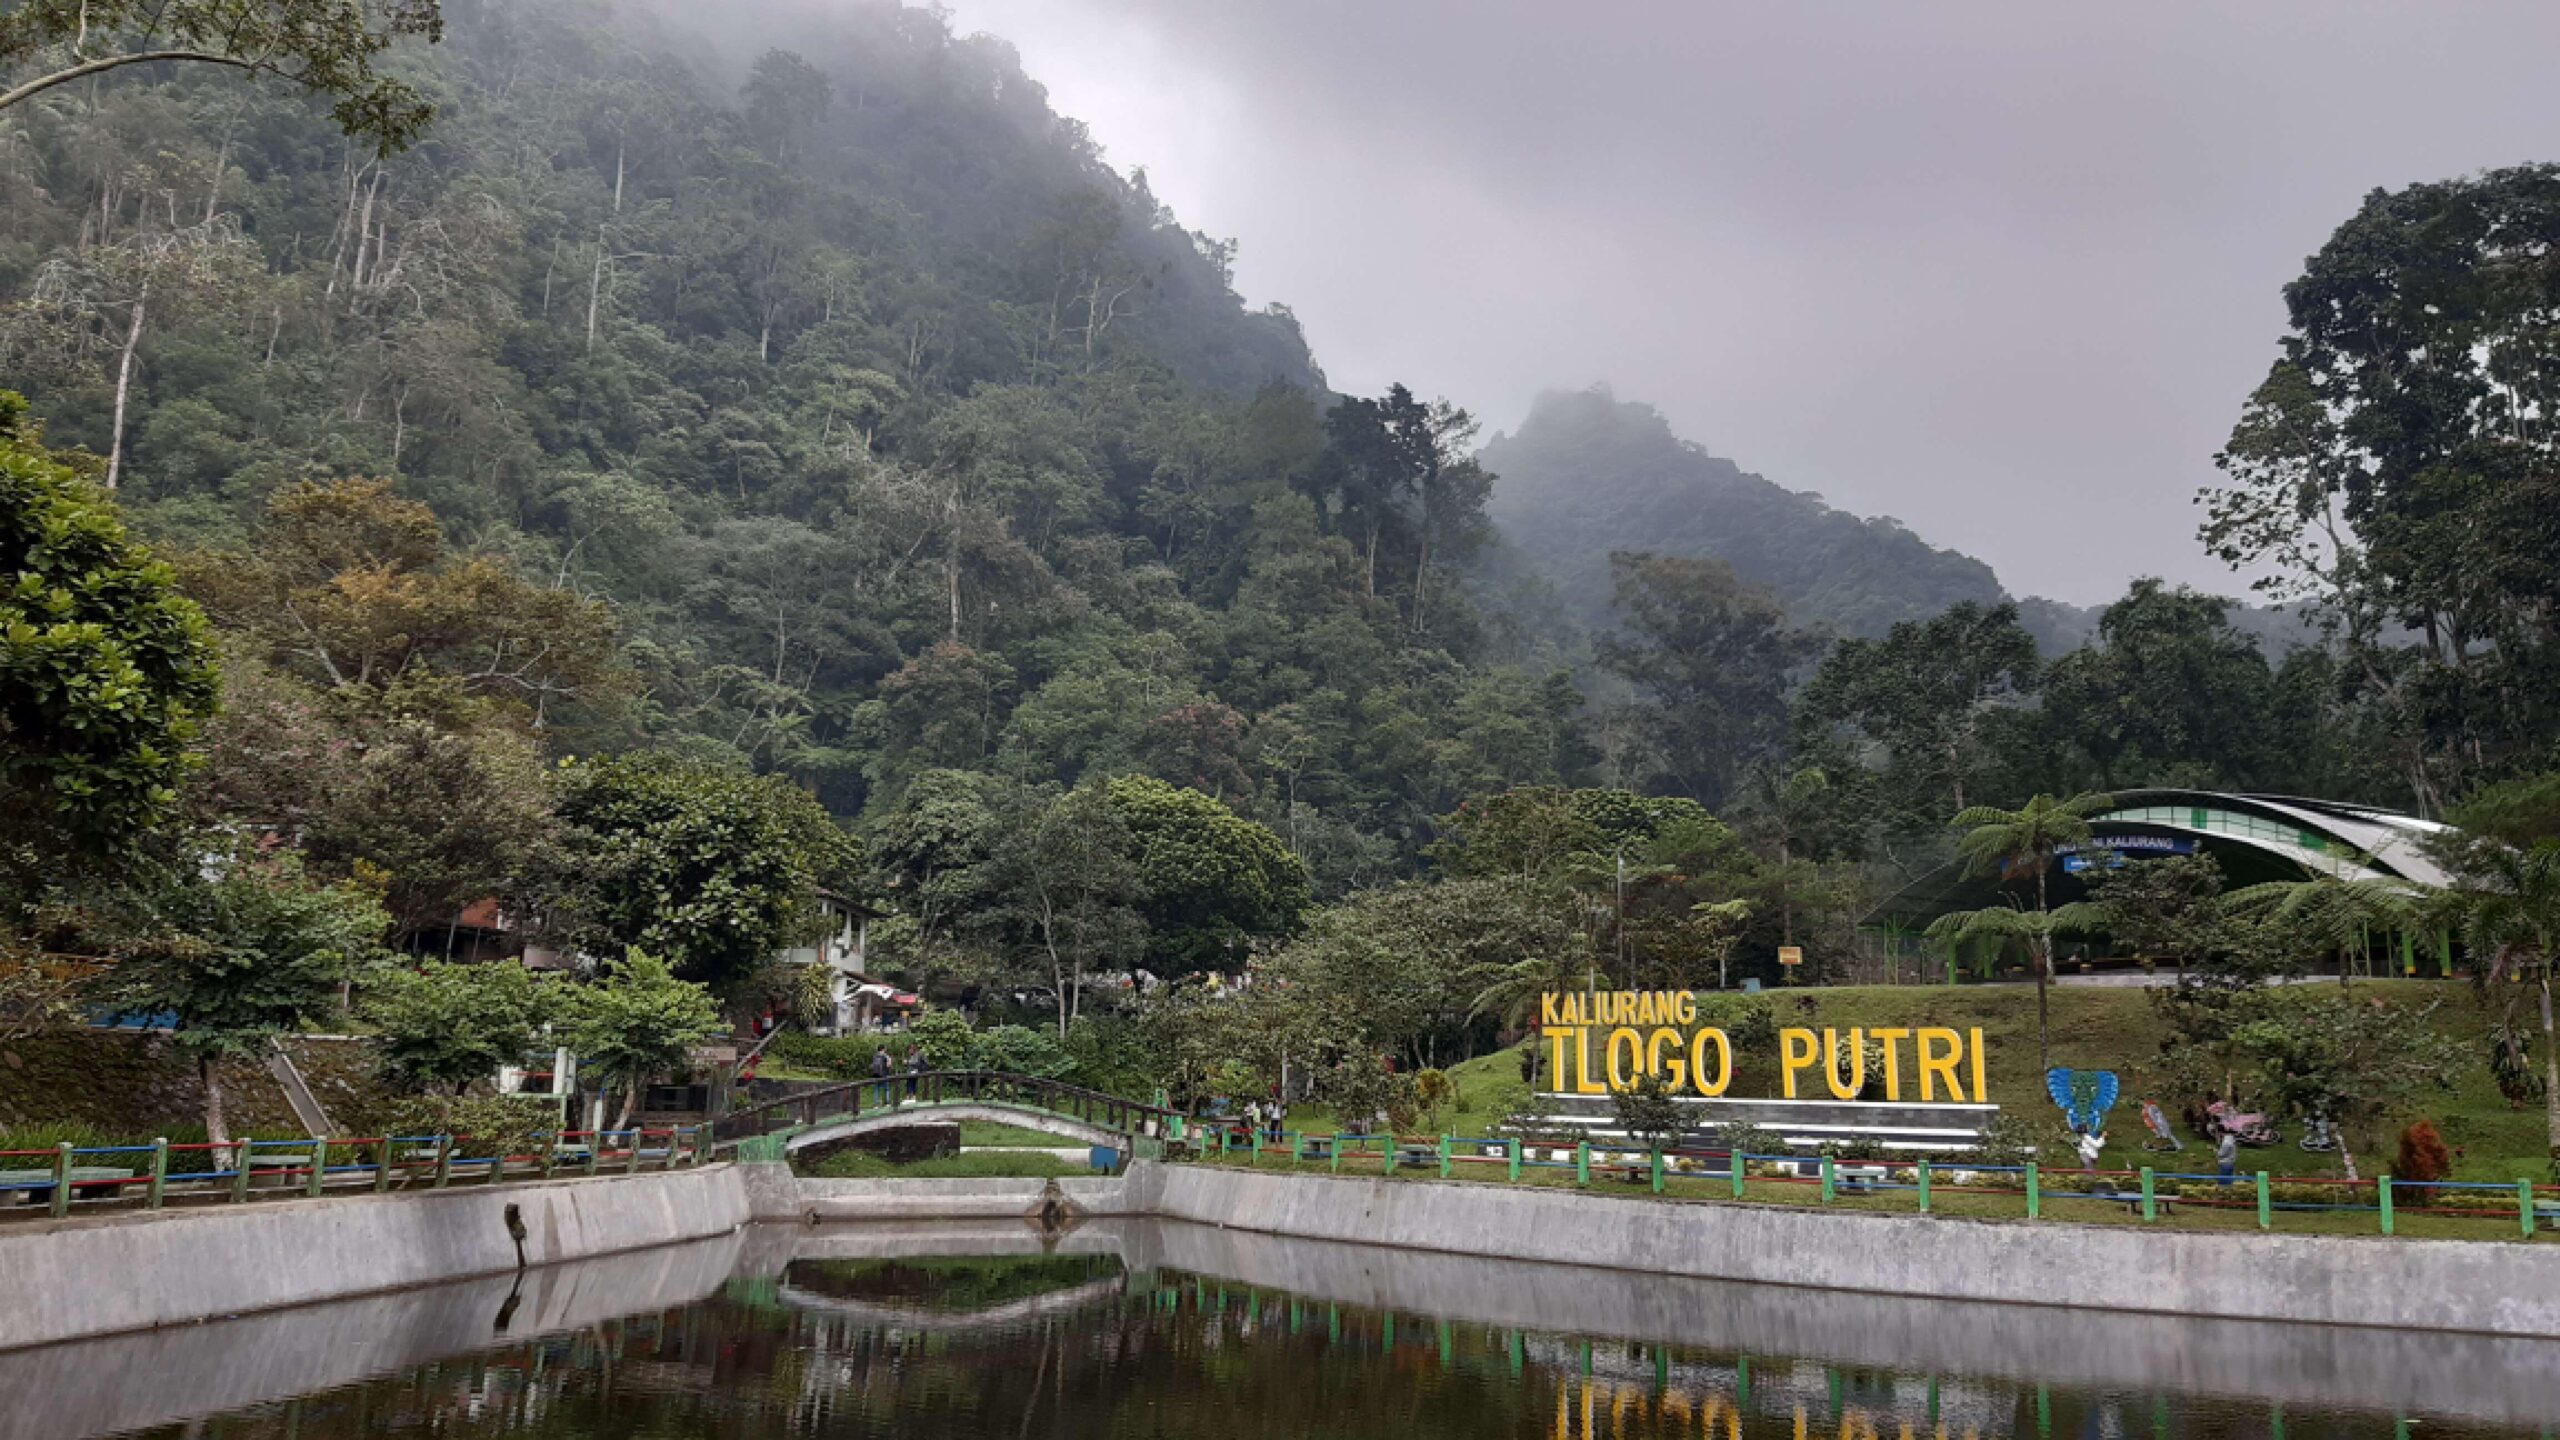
{"x": 2255, "y": 838}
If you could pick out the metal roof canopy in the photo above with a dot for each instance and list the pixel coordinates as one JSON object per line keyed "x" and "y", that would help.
{"x": 2356, "y": 841}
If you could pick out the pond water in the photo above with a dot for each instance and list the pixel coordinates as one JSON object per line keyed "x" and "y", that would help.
{"x": 1147, "y": 1329}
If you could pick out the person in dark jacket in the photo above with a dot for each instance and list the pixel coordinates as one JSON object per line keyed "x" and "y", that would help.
{"x": 915, "y": 1067}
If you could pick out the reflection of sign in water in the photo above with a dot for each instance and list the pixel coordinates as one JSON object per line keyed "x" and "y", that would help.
{"x": 2084, "y": 1095}
{"x": 1600, "y": 1041}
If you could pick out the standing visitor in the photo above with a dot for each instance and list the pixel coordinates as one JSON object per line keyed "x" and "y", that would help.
{"x": 915, "y": 1067}
{"x": 881, "y": 1068}
{"x": 2226, "y": 1154}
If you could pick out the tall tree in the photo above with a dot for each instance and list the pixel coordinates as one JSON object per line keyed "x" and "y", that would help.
{"x": 106, "y": 671}
{"x": 2019, "y": 847}
{"x": 1069, "y": 892}
{"x": 331, "y": 48}
{"x": 1944, "y": 700}
{"x": 1712, "y": 655}
{"x": 2397, "y": 466}
{"x": 714, "y": 871}
{"x": 243, "y": 955}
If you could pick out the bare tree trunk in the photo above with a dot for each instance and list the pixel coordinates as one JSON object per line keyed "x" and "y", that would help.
{"x": 215, "y": 1127}
{"x": 630, "y": 1102}
{"x": 2550, "y": 1064}
{"x": 595, "y": 294}
{"x": 124, "y": 387}
{"x": 618, "y": 148}
{"x": 2044, "y": 982}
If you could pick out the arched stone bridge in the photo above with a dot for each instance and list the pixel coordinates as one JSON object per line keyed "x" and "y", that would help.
{"x": 1065, "y": 1127}
{"x": 777, "y": 1128}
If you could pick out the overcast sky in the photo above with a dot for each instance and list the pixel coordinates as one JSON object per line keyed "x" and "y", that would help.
{"x": 2004, "y": 271}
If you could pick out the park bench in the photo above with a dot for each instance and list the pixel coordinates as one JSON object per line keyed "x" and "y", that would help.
{"x": 1316, "y": 1147}
{"x": 2131, "y": 1200}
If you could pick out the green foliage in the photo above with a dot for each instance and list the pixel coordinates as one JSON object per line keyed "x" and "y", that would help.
{"x": 1650, "y": 1112}
{"x": 249, "y": 952}
{"x": 1212, "y": 879}
{"x": 2392, "y": 471}
{"x": 491, "y": 1124}
{"x": 1939, "y": 700}
{"x": 1711, "y": 654}
{"x": 2348, "y": 1062}
{"x": 712, "y": 868}
{"x": 1749, "y": 1021}
{"x": 105, "y": 670}
{"x": 639, "y": 1021}
{"x": 948, "y": 1042}
{"x": 845, "y": 1057}
{"x": 330, "y": 48}
{"x": 1020, "y": 1050}
{"x": 444, "y": 1024}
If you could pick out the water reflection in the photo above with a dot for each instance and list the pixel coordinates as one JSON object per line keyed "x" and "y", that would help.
{"x": 1151, "y": 1330}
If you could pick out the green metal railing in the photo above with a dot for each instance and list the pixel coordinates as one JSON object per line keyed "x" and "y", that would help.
{"x": 159, "y": 1175}
{"x": 2149, "y": 1194}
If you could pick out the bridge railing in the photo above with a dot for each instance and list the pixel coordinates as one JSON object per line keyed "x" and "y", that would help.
{"x": 855, "y": 1098}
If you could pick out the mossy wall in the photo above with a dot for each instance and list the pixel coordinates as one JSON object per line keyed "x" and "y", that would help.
{"x": 136, "y": 1086}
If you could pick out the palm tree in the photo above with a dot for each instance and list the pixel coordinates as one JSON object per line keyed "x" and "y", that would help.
{"x": 2507, "y": 901}
{"x": 2334, "y": 912}
{"x": 2016, "y": 845}
{"x": 2036, "y": 927}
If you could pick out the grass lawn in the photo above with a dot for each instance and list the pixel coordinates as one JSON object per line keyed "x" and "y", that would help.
{"x": 855, "y": 1165}
{"x": 2094, "y": 1028}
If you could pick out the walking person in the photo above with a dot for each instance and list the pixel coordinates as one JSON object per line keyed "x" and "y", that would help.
{"x": 915, "y": 1068}
{"x": 881, "y": 1069}
{"x": 2226, "y": 1155}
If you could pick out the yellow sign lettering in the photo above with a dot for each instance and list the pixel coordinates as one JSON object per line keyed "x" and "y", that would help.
{"x": 1857, "y": 1081}
{"x": 1796, "y": 1049}
{"x": 1675, "y": 1071}
{"x": 1935, "y": 1066}
{"x": 1698, "y": 1061}
{"x": 1625, "y": 1079}
{"x": 1890, "y": 1037}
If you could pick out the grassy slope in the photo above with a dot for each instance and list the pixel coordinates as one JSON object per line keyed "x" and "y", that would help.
{"x": 2093, "y": 1028}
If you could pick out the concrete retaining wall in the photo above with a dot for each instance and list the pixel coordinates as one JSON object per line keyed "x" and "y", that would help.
{"x": 104, "y": 1274}
{"x": 2476, "y": 1286}
{"x": 774, "y": 1193}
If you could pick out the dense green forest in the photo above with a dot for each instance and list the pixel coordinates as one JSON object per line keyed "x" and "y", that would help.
{"x": 658, "y": 494}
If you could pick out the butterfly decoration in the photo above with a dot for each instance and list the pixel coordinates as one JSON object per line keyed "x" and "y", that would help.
{"x": 2084, "y": 1095}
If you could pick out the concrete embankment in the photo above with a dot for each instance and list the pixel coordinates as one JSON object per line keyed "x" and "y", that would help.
{"x": 144, "y": 1380}
{"x": 774, "y": 1193}
{"x": 2481, "y": 1287}
{"x": 105, "y": 1274}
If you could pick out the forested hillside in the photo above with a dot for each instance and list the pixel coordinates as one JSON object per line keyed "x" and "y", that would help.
{"x": 895, "y": 429}
{"x": 1587, "y": 474}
